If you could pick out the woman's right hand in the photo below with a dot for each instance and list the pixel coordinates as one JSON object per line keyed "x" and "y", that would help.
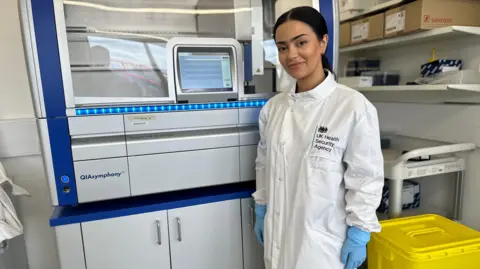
{"x": 260, "y": 212}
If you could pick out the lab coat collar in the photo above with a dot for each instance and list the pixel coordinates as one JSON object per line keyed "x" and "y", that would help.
{"x": 320, "y": 92}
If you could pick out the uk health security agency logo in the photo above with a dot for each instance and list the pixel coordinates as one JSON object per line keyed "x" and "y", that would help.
{"x": 322, "y": 141}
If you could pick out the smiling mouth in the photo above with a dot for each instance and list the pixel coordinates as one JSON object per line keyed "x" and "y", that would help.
{"x": 294, "y": 64}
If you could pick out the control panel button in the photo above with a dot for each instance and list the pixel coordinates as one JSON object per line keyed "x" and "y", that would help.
{"x": 65, "y": 179}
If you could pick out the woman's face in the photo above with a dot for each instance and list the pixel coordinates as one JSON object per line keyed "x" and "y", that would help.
{"x": 299, "y": 49}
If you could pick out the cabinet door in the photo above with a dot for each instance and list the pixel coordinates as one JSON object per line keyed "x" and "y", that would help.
{"x": 252, "y": 250}
{"x": 206, "y": 236}
{"x": 128, "y": 242}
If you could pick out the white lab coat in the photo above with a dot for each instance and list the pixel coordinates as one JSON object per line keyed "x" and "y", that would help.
{"x": 10, "y": 225}
{"x": 319, "y": 170}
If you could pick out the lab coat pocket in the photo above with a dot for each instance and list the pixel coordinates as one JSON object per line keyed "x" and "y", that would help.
{"x": 323, "y": 160}
{"x": 321, "y": 251}
{"x": 324, "y": 176}
{"x": 331, "y": 239}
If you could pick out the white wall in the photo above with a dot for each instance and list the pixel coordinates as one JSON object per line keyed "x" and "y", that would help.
{"x": 19, "y": 141}
{"x": 13, "y": 72}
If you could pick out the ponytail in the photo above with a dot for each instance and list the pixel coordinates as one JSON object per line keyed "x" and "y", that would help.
{"x": 326, "y": 65}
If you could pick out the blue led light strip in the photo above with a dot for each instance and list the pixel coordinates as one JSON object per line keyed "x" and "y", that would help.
{"x": 167, "y": 108}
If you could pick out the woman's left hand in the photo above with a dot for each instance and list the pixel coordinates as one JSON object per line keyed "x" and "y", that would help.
{"x": 354, "y": 251}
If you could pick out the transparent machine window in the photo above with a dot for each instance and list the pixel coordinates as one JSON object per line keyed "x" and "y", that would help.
{"x": 117, "y": 48}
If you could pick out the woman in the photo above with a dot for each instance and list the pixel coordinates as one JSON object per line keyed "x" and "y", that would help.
{"x": 319, "y": 164}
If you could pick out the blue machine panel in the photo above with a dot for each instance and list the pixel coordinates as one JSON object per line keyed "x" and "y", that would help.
{"x": 65, "y": 215}
{"x": 62, "y": 161}
{"x": 328, "y": 11}
{"x": 48, "y": 57}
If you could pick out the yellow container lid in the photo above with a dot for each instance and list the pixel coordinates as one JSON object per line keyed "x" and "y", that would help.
{"x": 427, "y": 237}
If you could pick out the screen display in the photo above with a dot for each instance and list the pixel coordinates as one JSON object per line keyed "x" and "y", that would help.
{"x": 205, "y": 71}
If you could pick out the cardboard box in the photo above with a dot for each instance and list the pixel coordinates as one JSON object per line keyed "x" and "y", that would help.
{"x": 345, "y": 34}
{"x": 367, "y": 29}
{"x": 430, "y": 14}
{"x": 350, "y": 5}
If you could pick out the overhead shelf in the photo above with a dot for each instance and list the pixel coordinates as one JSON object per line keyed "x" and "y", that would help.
{"x": 419, "y": 88}
{"x": 371, "y": 10}
{"x": 455, "y": 93}
{"x": 444, "y": 33}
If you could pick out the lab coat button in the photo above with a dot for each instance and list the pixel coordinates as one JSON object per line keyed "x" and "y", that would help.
{"x": 279, "y": 179}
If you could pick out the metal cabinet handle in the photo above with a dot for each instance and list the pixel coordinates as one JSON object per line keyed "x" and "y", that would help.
{"x": 159, "y": 233}
{"x": 252, "y": 223}
{"x": 179, "y": 230}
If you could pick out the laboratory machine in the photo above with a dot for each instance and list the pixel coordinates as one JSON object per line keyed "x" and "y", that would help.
{"x": 147, "y": 113}
{"x": 149, "y": 97}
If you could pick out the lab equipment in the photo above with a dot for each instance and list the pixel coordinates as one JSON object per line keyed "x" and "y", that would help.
{"x": 10, "y": 225}
{"x": 410, "y": 196}
{"x": 383, "y": 78}
{"x": 424, "y": 242}
{"x": 356, "y": 82}
{"x": 354, "y": 250}
{"x": 205, "y": 69}
{"x": 260, "y": 212}
{"x": 141, "y": 99}
{"x": 398, "y": 168}
{"x": 326, "y": 202}
{"x": 451, "y": 78}
{"x": 357, "y": 66}
{"x": 441, "y": 65}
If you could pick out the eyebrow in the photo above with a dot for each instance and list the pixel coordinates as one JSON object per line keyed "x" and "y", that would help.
{"x": 293, "y": 39}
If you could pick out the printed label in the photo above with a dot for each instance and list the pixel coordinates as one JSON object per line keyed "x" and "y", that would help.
{"x": 366, "y": 82}
{"x": 141, "y": 117}
{"x": 360, "y": 32}
{"x": 408, "y": 195}
{"x": 322, "y": 141}
{"x": 436, "y": 20}
{"x": 101, "y": 176}
{"x": 395, "y": 22}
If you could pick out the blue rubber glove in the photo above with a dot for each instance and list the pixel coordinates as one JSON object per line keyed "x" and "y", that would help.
{"x": 260, "y": 212}
{"x": 354, "y": 251}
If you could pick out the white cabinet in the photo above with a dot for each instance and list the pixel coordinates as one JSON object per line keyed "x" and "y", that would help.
{"x": 127, "y": 242}
{"x": 252, "y": 250}
{"x": 206, "y": 236}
